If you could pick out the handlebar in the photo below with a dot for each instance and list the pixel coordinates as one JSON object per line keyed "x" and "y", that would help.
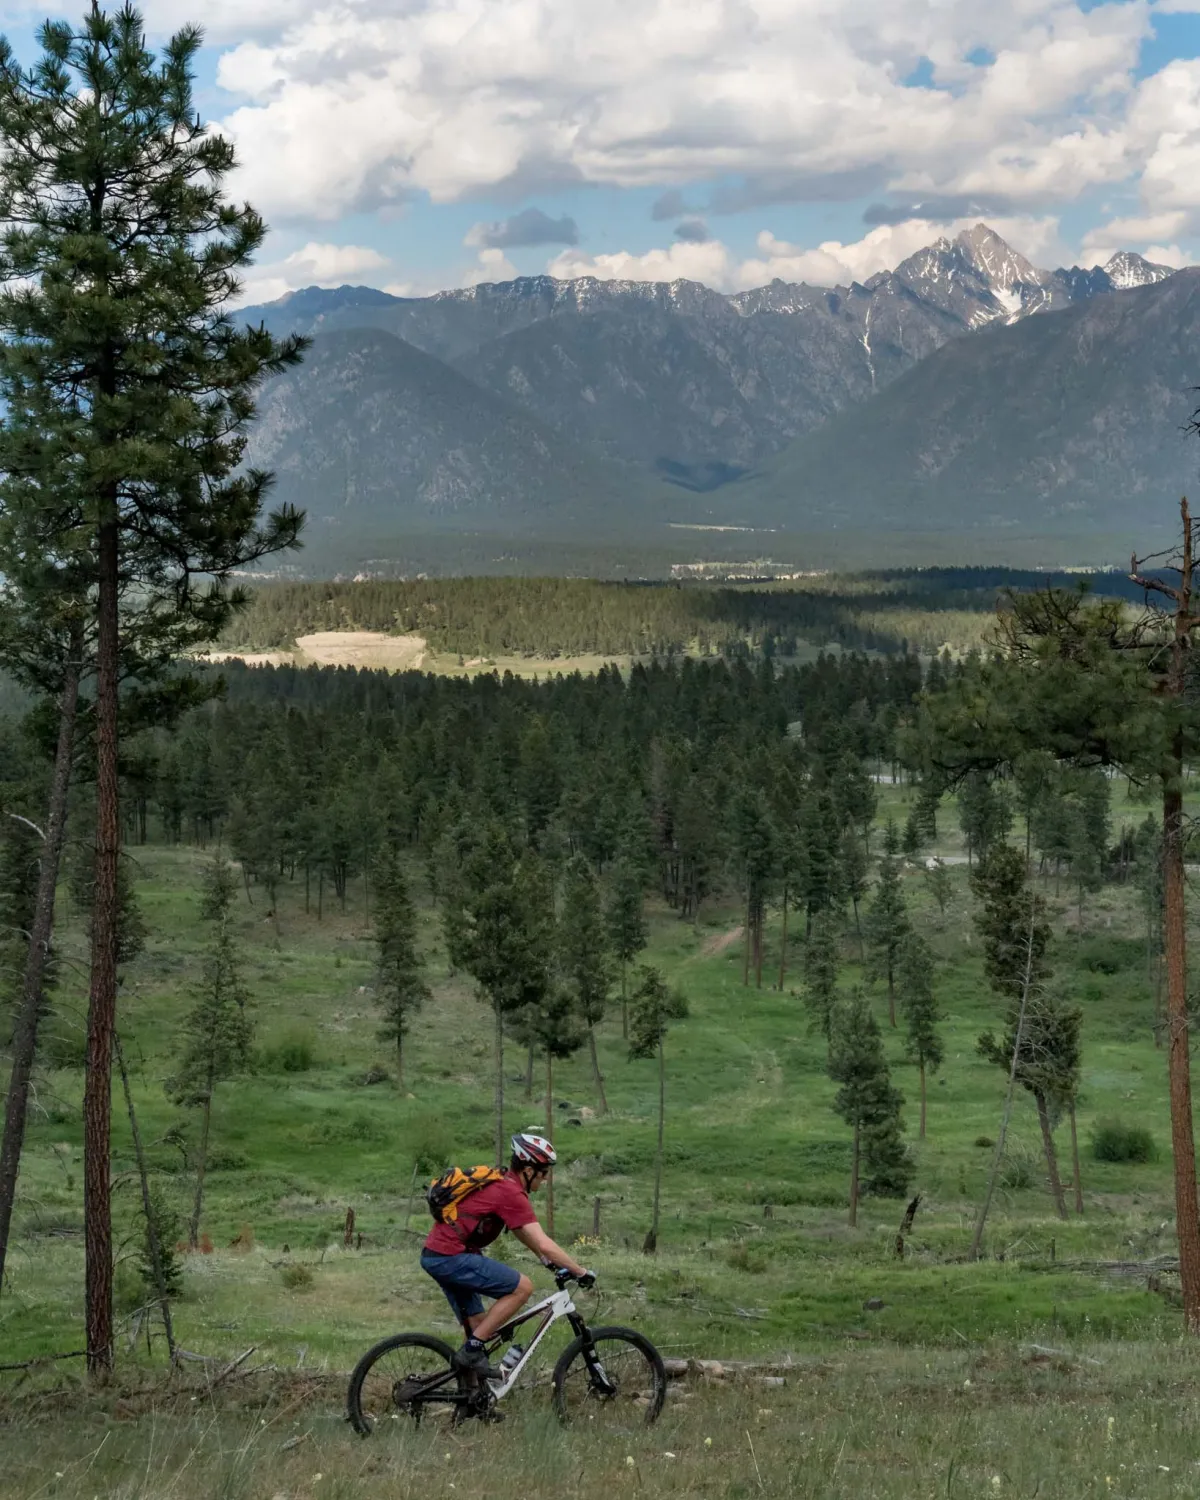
{"x": 563, "y": 1277}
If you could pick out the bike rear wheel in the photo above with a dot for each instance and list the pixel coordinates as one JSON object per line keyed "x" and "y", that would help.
{"x": 610, "y": 1374}
{"x": 401, "y": 1377}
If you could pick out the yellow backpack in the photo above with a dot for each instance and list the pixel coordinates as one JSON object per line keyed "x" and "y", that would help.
{"x": 445, "y": 1193}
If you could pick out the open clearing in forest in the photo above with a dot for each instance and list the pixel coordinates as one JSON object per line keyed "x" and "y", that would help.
{"x": 361, "y": 648}
{"x": 377, "y": 650}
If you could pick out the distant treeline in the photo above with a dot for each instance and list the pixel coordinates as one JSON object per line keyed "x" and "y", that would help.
{"x": 921, "y": 610}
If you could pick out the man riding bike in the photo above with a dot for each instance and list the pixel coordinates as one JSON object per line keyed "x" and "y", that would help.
{"x": 453, "y": 1252}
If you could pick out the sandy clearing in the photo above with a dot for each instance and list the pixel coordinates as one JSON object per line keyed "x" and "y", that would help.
{"x": 362, "y": 648}
{"x": 251, "y": 658}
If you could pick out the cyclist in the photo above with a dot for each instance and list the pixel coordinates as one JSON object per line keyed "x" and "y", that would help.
{"x": 453, "y": 1252}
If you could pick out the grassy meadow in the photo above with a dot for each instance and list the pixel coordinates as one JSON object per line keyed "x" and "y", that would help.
{"x": 756, "y": 1261}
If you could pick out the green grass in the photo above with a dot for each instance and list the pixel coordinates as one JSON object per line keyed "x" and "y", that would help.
{"x": 877, "y": 1424}
{"x": 756, "y": 1258}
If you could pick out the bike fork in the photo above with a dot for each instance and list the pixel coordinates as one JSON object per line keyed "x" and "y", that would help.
{"x": 591, "y": 1359}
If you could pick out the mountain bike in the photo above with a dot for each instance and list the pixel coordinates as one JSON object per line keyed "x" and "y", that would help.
{"x": 603, "y": 1373}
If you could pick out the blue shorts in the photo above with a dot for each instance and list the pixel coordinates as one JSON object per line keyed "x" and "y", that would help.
{"x": 463, "y": 1277}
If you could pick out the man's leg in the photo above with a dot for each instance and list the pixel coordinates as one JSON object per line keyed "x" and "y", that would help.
{"x": 483, "y": 1325}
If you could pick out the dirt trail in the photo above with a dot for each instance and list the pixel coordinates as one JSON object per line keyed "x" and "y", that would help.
{"x": 723, "y": 940}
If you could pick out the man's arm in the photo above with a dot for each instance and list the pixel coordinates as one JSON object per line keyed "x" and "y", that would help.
{"x": 535, "y": 1238}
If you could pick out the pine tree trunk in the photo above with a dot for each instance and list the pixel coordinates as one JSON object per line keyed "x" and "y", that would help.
{"x": 156, "y": 1249}
{"x": 320, "y": 893}
{"x": 651, "y": 1244}
{"x": 499, "y": 1084}
{"x": 921, "y": 1135}
{"x": 783, "y": 942}
{"x": 1187, "y": 1211}
{"x": 1075, "y": 1160}
{"x": 891, "y": 993}
{"x": 624, "y": 1000}
{"x": 307, "y": 887}
{"x": 24, "y": 1046}
{"x": 854, "y": 1180}
{"x": 550, "y": 1138}
{"x": 1056, "y": 1187}
{"x": 102, "y": 998}
{"x": 201, "y": 1168}
{"x": 862, "y": 947}
{"x": 758, "y": 943}
{"x": 746, "y": 946}
{"x": 596, "y": 1073}
{"x": 399, "y": 1057}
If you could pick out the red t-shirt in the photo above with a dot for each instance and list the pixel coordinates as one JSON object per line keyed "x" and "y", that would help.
{"x": 483, "y": 1216}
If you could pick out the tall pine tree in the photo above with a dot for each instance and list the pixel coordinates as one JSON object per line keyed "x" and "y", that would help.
{"x": 1011, "y": 920}
{"x": 654, "y": 1006}
{"x": 887, "y": 921}
{"x": 921, "y": 1012}
{"x": 119, "y": 256}
{"x": 217, "y": 1031}
{"x": 400, "y": 988}
{"x": 868, "y": 1103}
{"x": 585, "y": 957}
{"x": 626, "y": 924}
{"x": 821, "y": 962}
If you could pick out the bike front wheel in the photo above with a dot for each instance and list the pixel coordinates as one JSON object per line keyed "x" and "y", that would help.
{"x": 610, "y": 1374}
{"x": 401, "y": 1377}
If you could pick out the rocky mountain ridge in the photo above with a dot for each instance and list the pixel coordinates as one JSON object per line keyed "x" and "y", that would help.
{"x": 539, "y": 401}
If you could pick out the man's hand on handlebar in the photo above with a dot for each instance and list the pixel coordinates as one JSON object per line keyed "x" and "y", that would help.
{"x": 585, "y": 1278}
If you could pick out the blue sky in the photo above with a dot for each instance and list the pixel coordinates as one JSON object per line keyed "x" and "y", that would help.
{"x": 420, "y": 144}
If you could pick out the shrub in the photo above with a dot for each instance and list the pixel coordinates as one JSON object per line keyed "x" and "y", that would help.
{"x": 1117, "y": 1140}
{"x": 294, "y": 1052}
{"x": 742, "y": 1258}
{"x": 1110, "y": 955}
{"x": 296, "y": 1278}
{"x": 228, "y": 1161}
{"x": 1019, "y": 1171}
{"x": 128, "y": 1291}
{"x": 168, "y": 1226}
{"x": 984, "y": 1141}
{"x": 431, "y": 1142}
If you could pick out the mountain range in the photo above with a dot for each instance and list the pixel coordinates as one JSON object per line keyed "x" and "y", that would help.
{"x": 964, "y": 388}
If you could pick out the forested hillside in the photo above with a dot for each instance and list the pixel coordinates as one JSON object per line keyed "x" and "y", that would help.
{"x": 548, "y": 617}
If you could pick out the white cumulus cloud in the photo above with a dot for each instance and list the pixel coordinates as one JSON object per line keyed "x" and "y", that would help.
{"x": 359, "y": 103}
{"x": 685, "y": 260}
{"x": 313, "y": 265}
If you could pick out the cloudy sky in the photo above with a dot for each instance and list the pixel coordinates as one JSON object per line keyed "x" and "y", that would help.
{"x": 421, "y": 144}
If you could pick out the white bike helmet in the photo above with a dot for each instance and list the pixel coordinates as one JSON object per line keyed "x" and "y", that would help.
{"x": 533, "y": 1150}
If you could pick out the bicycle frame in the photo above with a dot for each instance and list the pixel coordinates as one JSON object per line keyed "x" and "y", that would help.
{"x": 550, "y": 1310}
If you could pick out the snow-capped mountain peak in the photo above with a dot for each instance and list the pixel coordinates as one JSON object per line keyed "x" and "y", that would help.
{"x": 1001, "y": 266}
{"x": 1126, "y": 269}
